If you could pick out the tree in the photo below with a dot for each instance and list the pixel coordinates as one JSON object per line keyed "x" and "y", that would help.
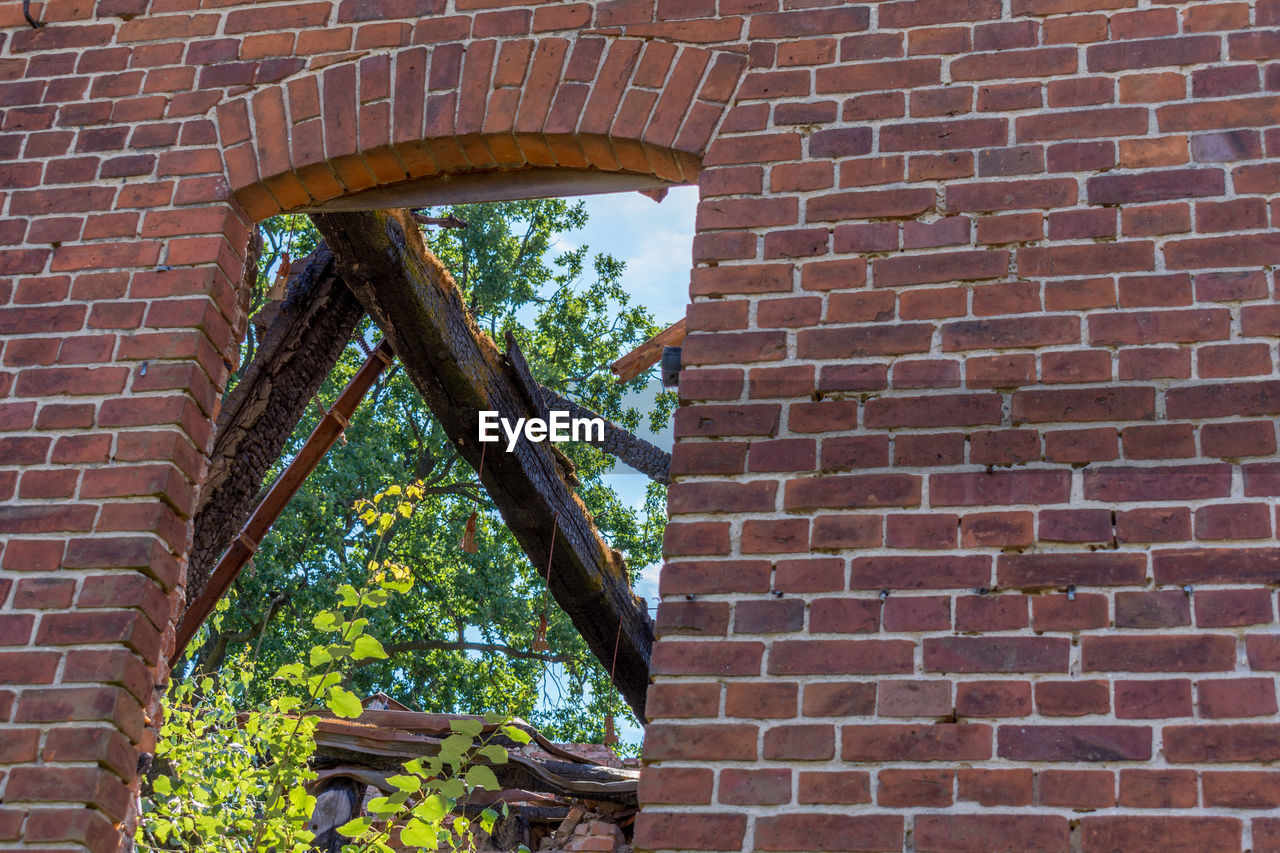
{"x": 462, "y": 640}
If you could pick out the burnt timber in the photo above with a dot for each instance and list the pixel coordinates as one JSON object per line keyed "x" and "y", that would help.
{"x": 459, "y": 372}
{"x": 296, "y": 354}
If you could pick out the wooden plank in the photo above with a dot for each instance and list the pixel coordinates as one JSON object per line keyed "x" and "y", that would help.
{"x": 648, "y": 353}
{"x": 460, "y": 372}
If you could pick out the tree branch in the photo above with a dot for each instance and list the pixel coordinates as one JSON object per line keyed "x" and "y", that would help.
{"x": 483, "y": 648}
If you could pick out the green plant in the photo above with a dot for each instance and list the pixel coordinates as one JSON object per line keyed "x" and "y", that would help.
{"x": 235, "y": 780}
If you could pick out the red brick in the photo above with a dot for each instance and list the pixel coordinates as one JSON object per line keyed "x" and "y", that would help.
{"x": 1031, "y": 571}
{"x": 1071, "y": 525}
{"x": 1203, "y": 834}
{"x": 936, "y": 742}
{"x": 1170, "y": 482}
{"x": 836, "y": 832}
{"x": 1157, "y": 789}
{"x": 1223, "y": 608}
{"x": 1075, "y": 698}
{"x": 927, "y": 449}
{"x": 1166, "y": 653}
{"x": 827, "y": 657}
{"x": 1233, "y": 521}
{"x": 758, "y": 700}
{"x": 703, "y": 741}
{"x": 996, "y": 654}
{"x": 1076, "y": 788}
{"x": 839, "y": 699}
{"x": 833, "y": 787}
{"x": 800, "y": 743}
{"x": 1236, "y": 697}
{"x": 905, "y": 572}
{"x": 702, "y": 831}
{"x": 844, "y": 616}
{"x": 907, "y": 788}
{"x": 676, "y": 785}
{"x": 992, "y": 699}
{"x": 917, "y": 613}
{"x": 754, "y": 787}
{"x": 1075, "y": 743}
{"x": 963, "y": 833}
{"x": 996, "y": 787}
{"x": 1161, "y": 609}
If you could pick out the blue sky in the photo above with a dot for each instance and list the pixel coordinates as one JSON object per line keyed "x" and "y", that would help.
{"x": 656, "y": 242}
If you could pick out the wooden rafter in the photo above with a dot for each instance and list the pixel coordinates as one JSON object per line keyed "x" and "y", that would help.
{"x": 648, "y": 353}
{"x": 459, "y": 372}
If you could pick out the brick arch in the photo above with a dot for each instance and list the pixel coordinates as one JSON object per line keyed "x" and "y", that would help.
{"x": 616, "y": 112}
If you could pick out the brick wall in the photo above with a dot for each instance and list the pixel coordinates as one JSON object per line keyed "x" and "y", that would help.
{"x": 973, "y": 539}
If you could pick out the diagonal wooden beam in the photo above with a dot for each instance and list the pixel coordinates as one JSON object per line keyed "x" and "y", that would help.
{"x": 648, "y": 353}
{"x": 460, "y": 372}
{"x": 295, "y": 355}
{"x": 245, "y": 545}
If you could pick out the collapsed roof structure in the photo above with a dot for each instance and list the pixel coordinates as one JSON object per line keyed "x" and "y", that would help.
{"x": 377, "y": 262}
{"x": 556, "y": 796}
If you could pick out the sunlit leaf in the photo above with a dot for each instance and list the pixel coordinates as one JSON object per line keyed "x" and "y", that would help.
{"x": 367, "y": 647}
{"x": 479, "y": 776}
{"x": 418, "y": 834}
{"x": 469, "y": 727}
{"x": 355, "y": 828}
{"x": 517, "y": 734}
{"x": 344, "y": 703}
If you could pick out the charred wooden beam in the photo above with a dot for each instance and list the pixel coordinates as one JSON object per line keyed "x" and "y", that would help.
{"x": 623, "y": 445}
{"x": 459, "y": 373}
{"x": 296, "y": 353}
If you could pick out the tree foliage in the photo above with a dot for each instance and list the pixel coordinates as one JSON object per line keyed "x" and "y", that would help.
{"x": 461, "y": 640}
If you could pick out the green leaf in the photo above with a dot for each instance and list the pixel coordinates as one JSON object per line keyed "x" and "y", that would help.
{"x": 320, "y": 656}
{"x": 480, "y": 776}
{"x": 496, "y": 754}
{"x": 289, "y": 671}
{"x": 344, "y": 703}
{"x": 470, "y": 728}
{"x": 375, "y": 597}
{"x": 493, "y": 718}
{"x": 367, "y": 647}
{"x": 488, "y": 818}
{"x": 418, "y": 834}
{"x": 318, "y": 684}
{"x": 516, "y": 734}
{"x": 454, "y": 747}
{"x": 162, "y": 785}
{"x": 325, "y": 620}
{"x": 431, "y": 808}
{"x": 355, "y": 828}
{"x": 383, "y": 806}
{"x": 408, "y": 784}
{"x": 348, "y": 595}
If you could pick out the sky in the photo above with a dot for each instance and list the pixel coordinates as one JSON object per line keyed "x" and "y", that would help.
{"x": 655, "y": 239}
